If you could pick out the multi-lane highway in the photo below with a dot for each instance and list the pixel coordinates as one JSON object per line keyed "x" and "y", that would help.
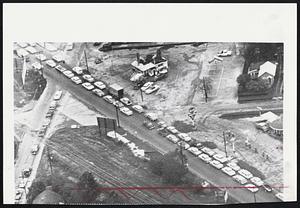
{"x": 134, "y": 125}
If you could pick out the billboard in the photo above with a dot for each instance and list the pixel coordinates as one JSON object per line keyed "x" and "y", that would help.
{"x": 106, "y": 124}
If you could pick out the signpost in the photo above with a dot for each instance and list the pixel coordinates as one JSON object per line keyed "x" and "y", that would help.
{"x": 192, "y": 114}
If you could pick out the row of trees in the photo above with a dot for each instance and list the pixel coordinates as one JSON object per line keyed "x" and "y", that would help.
{"x": 253, "y": 85}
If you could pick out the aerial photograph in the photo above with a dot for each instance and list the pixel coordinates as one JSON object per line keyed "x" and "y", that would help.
{"x": 197, "y": 123}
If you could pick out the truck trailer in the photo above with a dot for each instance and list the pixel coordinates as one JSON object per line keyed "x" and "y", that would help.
{"x": 116, "y": 90}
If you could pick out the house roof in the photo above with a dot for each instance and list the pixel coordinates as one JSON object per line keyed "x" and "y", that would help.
{"x": 116, "y": 87}
{"x": 48, "y": 197}
{"x": 269, "y": 116}
{"x": 267, "y": 67}
{"x": 142, "y": 67}
{"x": 277, "y": 124}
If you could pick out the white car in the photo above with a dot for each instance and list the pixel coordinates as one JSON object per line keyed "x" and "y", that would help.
{"x": 172, "y": 138}
{"x": 22, "y": 184}
{"x": 37, "y": 66}
{"x": 68, "y": 74}
{"x": 184, "y": 144}
{"x": 162, "y": 124}
{"x": 205, "y": 157}
{"x": 118, "y": 104}
{"x": 58, "y": 58}
{"x": 146, "y": 86}
{"x": 31, "y": 49}
{"x": 100, "y": 85}
{"x": 208, "y": 151}
{"x": 228, "y": 171}
{"x": 224, "y": 53}
{"x": 138, "y": 108}
{"x": 51, "y": 63}
{"x": 152, "y": 89}
{"x": 184, "y": 137}
{"x": 126, "y": 101}
{"x": 88, "y": 86}
{"x": 57, "y": 95}
{"x": 220, "y": 158}
{"x": 245, "y": 173}
{"x": 69, "y": 46}
{"x": 76, "y": 80}
{"x": 41, "y": 57}
{"x": 88, "y": 78}
{"x": 98, "y": 92}
{"x": 251, "y": 187}
{"x": 172, "y": 129}
{"x": 151, "y": 116}
{"x": 216, "y": 164}
{"x": 109, "y": 99}
{"x": 233, "y": 166}
{"x": 22, "y": 44}
{"x": 126, "y": 111}
{"x": 257, "y": 181}
{"x": 77, "y": 69}
{"x": 22, "y": 53}
{"x": 240, "y": 179}
{"x": 35, "y": 148}
{"x": 60, "y": 68}
{"x": 280, "y": 196}
{"x": 194, "y": 150}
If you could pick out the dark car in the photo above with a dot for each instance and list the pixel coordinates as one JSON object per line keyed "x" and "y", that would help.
{"x": 49, "y": 114}
{"x": 148, "y": 125}
{"x": 163, "y": 132}
{"x": 267, "y": 187}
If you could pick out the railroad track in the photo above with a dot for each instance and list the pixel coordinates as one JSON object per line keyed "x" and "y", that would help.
{"x": 139, "y": 198}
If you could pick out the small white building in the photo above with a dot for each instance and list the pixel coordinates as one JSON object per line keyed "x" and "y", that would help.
{"x": 267, "y": 71}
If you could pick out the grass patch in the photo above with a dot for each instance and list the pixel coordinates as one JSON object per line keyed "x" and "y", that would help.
{"x": 210, "y": 145}
{"x": 183, "y": 127}
{"x": 253, "y": 170}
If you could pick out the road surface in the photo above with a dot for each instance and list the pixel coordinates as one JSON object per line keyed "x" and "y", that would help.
{"x": 133, "y": 124}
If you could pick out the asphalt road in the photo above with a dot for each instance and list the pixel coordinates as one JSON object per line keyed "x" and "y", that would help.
{"x": 134, "y": 125}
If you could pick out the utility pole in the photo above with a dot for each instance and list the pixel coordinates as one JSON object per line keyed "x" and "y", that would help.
{"x": 181, "y": 154}
{"x": 49, "y": 160}
{"x": 205, "y": 90}
{"x": 117, "y": 114}
{"x": 254, "y": 197}
{"x": 225, "y": 143}
{"x": 142, "y": 95}
{"x": 86, "y": 63}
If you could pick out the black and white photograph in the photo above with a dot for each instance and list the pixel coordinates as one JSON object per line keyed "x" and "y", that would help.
{"x": 148, "y": 122}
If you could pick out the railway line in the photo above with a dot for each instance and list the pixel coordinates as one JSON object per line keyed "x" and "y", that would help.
{"x": 78, "y": 158}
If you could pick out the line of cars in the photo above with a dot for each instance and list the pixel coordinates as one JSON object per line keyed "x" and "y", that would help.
{"x": 216, "y": 160}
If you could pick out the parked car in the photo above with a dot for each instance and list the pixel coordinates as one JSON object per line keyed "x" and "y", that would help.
{"x": 98, "y": 92}
{"x": 280, "y": 196}
{"x": 257, "y": 181}
{"x": 57, "y": 95}
{"x": 151, "y": 116}
{"x": 41, "y": 57}
{"x": 19, "y": 194}
{"x": 138, "y": 108}
{"x": 109, "y": 98}
{"x": 216, "y": 164}
{"x": 118, "y": 104}
{"x": 245, "y": 173}
{"x": 51, "y": 63}
{"x": 41, "y": 133}
{"x": 149, "y": 125}
{"x": 68, "y": 74}
{"x": 126, "y": 101}
{"x": 183, "y": 144}
{"x": 22, "y": 184}
{"x": 240, "y": 179}
{"x": 251, "y": 187}
{"x": 163, "y": 132}
{"x": 78, "y": 70}
{"x": 194, "y": 150}
{"x": 146, "y": 86}
{"x": 100, "y": 85}
{"x": 162, "y": 124}
{"x": 88, "y": 86}
{"x": 228, "y": 171}
{"x": 31, "y": 49}
{"x": 172, "y": 138}
{"x": 233, "y": 166}
{"x": 267, "y": 187}
{"x": 88, "y": 78}
{"x": 76, "y": 80}
{"x": 208, "y": 151}
{"x": 49, "y": 114}
{"x": 35, "y": 148}
{"x": 126, "y": 111}
{"x": 224, "y": 53}
{"x": 220, "y": 158}
{"x": 184, "y": 137}
{"x": 172, "y": 129}
{"x": 37, "y": 66}
{"x": 60, "y": 68}
{"x": 205, "y": 157}
{"x": 152, "y": 89}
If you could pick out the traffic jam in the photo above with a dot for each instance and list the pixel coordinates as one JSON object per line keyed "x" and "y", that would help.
{"x": 113, "y": 95}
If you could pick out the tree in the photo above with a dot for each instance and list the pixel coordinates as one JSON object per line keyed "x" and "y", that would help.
{"x": 87, "y": 187}
{"x": 243, "y": 79}
{"x": 36, "y": 188}
{"x": 258, "y": 85}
